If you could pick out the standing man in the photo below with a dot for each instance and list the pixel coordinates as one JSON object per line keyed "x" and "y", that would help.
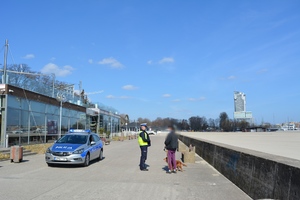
{"x": 171, "y": 144}
{"x": 144, "y": 142}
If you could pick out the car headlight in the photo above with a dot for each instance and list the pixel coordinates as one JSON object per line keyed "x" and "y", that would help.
{"x": 48, "y": 150}
{"x": 78, "y": 151}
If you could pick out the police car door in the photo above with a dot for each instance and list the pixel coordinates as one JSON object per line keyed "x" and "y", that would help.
{"x": 97, "y": 145}
{"x": 93, "y": 148}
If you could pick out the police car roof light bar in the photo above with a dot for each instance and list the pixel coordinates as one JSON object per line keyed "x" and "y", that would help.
{"x": 79, "y": 131}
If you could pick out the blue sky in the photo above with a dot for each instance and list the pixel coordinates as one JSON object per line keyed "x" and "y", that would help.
{"x": 165, "y": 58}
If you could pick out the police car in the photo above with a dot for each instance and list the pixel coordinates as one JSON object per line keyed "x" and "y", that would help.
{"x": 76, "y": 147}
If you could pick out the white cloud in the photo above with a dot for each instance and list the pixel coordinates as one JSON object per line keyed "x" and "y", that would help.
{"x": 29, "y": 56}
{"x": 90, "y": 61}
{"x": 116, "y": 97}
{"x": 53, "y": 58}
{"x": 176, "y": 100}
{"x": 110, "y": 97}
{"x": 129, "y": 87}
{"x": 228, "y": 78}
{"x": 231, "y": 77}
{"x": 262, "y": 71}
{"x": 124, "y": 97}
{"x": 58, "y": 71}
{"x": 201, "y": 98}
{"x": 192, "y": 99}
{"x": 197, "y": 99}
{"x": 166, "y": 60}
{"x": 112, "y": 62}
{"x": 149, "y": 62}
{"x": 166, "y": 95}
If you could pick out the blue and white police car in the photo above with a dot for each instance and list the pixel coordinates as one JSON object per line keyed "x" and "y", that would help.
{"x": 76, "y": 147}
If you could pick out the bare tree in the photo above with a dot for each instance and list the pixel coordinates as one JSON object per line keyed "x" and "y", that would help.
{"x": 22, "y": 76}
{"x": 225, "y": 123}
{"x": 211, "y": 123}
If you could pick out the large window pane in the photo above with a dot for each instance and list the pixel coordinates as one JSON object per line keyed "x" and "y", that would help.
{"x": 73, "y": 123}
{"x": 66, "y": 112}
{"x": 14, "y": 102}
{"x": 52, "y": 124}
{"x": 53, "y": 110}
{"x": 37, "y": 106}
{"x": 65, "y": 125}
{"x": 25, "y": 126}
{"x": 13, "y": 120}
{"x": 37, "y": 127}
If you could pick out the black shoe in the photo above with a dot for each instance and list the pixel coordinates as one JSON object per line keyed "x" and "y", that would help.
{"x": 174, "y": 171}
{"x": 145, "y": 170}
{"x": 169, "y": 172}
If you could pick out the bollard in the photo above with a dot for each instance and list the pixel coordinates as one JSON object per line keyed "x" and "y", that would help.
{"x": 181, "y": 147}
{"x": 16, "y": 154}
{"x": 187, "y": 153}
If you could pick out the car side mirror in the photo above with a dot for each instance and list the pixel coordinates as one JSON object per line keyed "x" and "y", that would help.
{"x": 93, "y": 143}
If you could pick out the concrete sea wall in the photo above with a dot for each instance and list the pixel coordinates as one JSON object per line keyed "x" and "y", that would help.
{"x": 260, "y": 175}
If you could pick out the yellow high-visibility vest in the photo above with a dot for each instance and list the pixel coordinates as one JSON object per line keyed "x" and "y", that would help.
{"x": 141, "y": 141}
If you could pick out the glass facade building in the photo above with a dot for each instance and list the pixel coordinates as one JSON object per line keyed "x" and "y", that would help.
{"x": 107, "y": 121}
{"x": 38, "y": 121}
{"x": 28, "y": 117}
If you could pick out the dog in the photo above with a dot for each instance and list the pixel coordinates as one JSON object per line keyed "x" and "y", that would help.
{"x": 179, "y": 164}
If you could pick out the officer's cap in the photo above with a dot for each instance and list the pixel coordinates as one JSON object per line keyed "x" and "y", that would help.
{"x": 144, "y": 124}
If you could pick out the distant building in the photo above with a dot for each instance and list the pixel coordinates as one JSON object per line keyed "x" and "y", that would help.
{"x": 290, "y": 126}
{"x": 240, "y": 112}
{"x": 239, "y": 102}
{"x": 124, "y": 119}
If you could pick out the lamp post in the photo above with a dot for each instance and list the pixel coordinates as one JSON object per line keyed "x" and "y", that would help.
{"x": 61, "y": 98}
{"x": 4, "y": 78}
{"x": 111, "y": 124}
{"x": 98, "y": 123}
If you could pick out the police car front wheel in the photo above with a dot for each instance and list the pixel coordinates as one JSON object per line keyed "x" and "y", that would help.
{"x": 100, "y": 155}
{"x": 86, "y": 160}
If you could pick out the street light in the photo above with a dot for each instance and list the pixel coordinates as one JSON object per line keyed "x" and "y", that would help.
{"x": 98, "y": 122}
{"x": 61, "y": 98}
{"x": 111, "y": 124}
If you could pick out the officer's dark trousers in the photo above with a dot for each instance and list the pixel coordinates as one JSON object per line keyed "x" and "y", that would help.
{"x": 144, "y": 151}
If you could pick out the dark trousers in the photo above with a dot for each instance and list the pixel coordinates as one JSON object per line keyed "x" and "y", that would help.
{"x": 144, "y": 151}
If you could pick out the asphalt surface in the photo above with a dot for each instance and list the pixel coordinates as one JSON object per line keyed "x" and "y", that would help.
{"x": 116, "y": 177}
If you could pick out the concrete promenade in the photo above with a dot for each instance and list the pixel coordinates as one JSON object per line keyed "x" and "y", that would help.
{"x": 264, "y": 165}
{"x": 285, "y": 144}
{"x": 115, "y": 177}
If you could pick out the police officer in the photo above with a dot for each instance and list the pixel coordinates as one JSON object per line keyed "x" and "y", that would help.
{"x": 144, "y": 142}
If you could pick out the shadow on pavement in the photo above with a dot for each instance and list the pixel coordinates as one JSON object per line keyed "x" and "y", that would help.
{"x": 73, "y": 165}
{"x": 23, "y": 161}
{"x": 165, "y": 168}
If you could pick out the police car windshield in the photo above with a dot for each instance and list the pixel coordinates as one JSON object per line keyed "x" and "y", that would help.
{"x": 73, "y": 139}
